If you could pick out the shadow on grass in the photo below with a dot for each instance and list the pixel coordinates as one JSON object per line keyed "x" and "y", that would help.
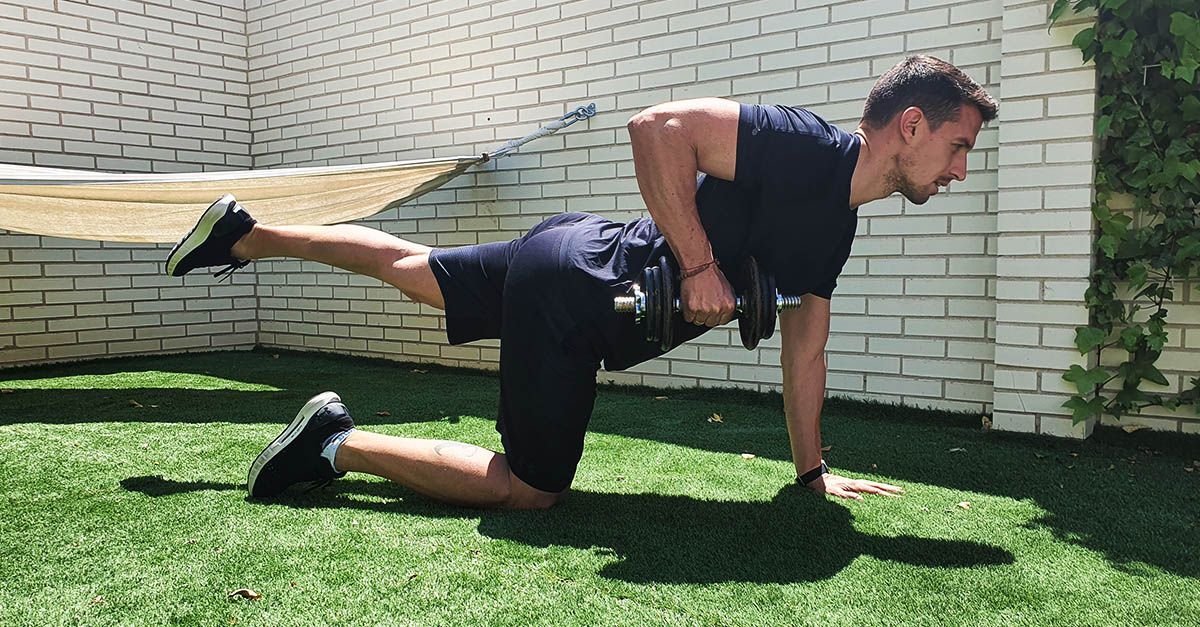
{"x": 795, "y": 537}
{"x": 1123, "y": 495}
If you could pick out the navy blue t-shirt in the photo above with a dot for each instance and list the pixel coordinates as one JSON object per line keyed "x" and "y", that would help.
{"x": 788, "y": 207}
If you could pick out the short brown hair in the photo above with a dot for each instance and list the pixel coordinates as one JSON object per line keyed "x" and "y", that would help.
{"x": 938, "y": 88}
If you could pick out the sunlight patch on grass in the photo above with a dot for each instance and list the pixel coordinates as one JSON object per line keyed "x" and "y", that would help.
{"x": 148, "y": 379}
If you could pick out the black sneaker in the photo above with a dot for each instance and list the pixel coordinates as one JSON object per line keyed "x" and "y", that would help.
{"x": 209, "y": 242}
{"x": 295, "y": 456}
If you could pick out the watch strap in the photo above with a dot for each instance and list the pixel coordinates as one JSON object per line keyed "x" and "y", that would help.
{"x": 813, "y": 474}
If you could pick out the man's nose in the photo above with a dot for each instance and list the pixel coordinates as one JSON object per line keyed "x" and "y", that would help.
{"x": 959, "y": 169}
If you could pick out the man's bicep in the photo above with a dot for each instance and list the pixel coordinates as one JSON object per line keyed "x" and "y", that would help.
{"x": 805, "y": 330}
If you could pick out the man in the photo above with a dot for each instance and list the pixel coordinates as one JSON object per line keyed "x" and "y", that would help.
{"x": 779, "y": 184}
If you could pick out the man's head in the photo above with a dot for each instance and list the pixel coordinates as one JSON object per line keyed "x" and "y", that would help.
{"x": 935, "y": 111}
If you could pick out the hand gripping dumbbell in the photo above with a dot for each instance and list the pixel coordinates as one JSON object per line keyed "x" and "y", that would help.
{"x": 654, "y": 302}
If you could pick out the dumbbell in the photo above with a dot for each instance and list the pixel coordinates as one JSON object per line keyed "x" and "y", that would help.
{"x": 654, "y": 302}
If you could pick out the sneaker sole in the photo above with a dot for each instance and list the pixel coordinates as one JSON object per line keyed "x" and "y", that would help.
{"x": 199, "y": 233}
{"x": 294, "y": 429}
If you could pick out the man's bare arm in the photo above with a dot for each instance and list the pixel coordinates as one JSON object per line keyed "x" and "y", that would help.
{"x": 671, "y": 142}
{"x": 805, "y": 332}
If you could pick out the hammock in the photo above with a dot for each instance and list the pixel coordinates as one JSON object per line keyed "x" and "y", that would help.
{"x": 159, "y": 208}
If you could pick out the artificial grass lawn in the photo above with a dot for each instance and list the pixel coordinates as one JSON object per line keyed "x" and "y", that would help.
{"x": 123, "y": 503}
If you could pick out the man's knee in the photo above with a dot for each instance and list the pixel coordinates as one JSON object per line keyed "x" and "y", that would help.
{"x": 521, "y": 495}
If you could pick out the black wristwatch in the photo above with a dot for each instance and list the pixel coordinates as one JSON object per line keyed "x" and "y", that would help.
{"x": 813, "y": 474}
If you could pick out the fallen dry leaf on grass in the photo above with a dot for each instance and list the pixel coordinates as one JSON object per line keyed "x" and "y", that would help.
{"x": 133, "y": 403}
{"x": 748, "y": 455}
{"x": 98, "y": 600}
{"x": 7, "y": 391}
{"x": 1133, "y": 427}
{"x": 245, "y": 593}
{"x": 714, "y": 418}
{"x": 383, "y": 414}
{"x": 826, "y": 449}
{"x": 660, "y": 398}
{"x": 965, "y": 504}
{"x": 958, "y": 450}
{"x": 419, "y": 371}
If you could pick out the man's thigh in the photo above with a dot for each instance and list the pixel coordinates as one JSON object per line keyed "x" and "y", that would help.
{"x": 470, "y": 282}
{"x": 548, "y": 363}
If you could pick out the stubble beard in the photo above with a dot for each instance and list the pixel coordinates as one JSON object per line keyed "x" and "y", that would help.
{"x": 899, "y": 181}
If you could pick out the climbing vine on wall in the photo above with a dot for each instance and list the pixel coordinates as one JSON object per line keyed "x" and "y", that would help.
{"x": 1147, "y": 56}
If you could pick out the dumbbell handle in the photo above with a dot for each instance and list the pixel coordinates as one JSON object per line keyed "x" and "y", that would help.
{"x": 636, "y": 304}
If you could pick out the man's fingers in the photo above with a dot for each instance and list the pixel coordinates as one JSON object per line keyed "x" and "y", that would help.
{"x": 881, "y": 488}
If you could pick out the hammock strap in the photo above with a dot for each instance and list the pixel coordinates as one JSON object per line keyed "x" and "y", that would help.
{"x": 580, "y": 113}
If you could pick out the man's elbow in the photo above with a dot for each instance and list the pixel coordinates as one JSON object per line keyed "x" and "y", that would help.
{"x": 656, "y": 121}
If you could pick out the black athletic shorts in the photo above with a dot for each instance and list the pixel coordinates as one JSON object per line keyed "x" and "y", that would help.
{"x": 547, "y": 314}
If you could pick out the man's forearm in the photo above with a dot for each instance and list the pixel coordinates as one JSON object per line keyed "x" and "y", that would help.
{"x": 803, "y": 397}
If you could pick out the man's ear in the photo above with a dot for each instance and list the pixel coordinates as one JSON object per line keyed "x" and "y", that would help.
{"x": 910, "y": 120}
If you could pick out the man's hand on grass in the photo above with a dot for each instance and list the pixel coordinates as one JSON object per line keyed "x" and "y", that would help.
{"x": 834, "y": 485}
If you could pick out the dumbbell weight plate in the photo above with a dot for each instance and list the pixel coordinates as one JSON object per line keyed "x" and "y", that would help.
{"x": 668, "y": 325}
{"x": 750, "y": 321}
{"x": 657, "y": 320}
{"x": 659, "y": 312}
{"x": 768, "y": 308}
{"x": 648, "y": 315}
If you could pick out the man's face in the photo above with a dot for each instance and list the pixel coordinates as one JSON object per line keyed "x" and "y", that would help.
{"x": 933, "y": 158}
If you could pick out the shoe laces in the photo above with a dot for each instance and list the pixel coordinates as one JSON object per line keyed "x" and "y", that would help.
{"x": 227, "y": 273}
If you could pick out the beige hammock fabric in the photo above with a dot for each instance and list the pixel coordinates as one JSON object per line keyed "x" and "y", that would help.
{"x": 160, "y": 208}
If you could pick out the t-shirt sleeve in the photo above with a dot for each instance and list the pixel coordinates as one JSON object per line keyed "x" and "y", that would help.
{"x": 842, "y": 254}
{"x": 771, "y": 141}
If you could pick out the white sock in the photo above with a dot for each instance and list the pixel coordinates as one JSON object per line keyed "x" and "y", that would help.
{"x": 329, "y": 449}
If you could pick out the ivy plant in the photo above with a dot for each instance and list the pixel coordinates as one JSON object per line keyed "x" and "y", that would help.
{"x": 1147, "y": 56}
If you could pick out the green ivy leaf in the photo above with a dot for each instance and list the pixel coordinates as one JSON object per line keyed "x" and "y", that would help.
{"x": 1084, "y": 38}
{"x": 1108, "y": 244}
{"x": 1137, "y": 276}
{"x": 1190, "y": 107}
{"x": 1186, "y": 27}
{"x": 1088, "y": 338}
{"x": 1152, "y": 374}
{"x": 1082, "y": 409}
{"x": 1086, "y": 380}
{"x": 1130, "y": 337}
{"x": 1060, "y": 7}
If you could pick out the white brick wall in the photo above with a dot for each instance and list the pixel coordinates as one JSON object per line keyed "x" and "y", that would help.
{"x": 960, "y": 303}
{"x": 1038, "y": 246}
{"x": 128, "y": 86}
